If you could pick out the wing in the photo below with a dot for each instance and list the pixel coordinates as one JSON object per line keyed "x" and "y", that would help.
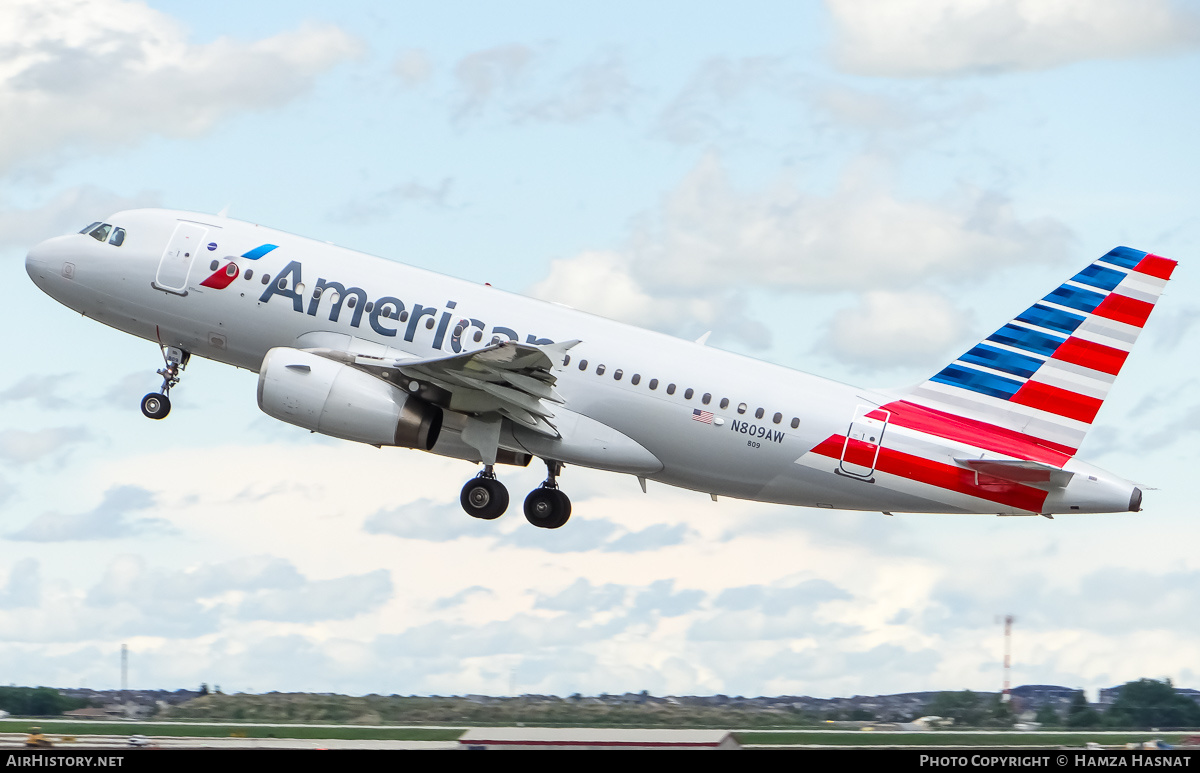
{"x": 510, "y": 378}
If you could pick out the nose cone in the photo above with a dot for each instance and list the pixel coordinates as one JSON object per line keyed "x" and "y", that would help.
{"x": 47, "y": 260}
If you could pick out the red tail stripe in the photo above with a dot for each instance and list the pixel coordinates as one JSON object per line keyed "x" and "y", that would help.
{"x": 1058, "y": 401}
{"x": 1155, "y": 265}
{"x": 221, "y": 278}
{"x": 973, "y": 432}
{"x": 947, "y": 476}
{"x": 1122, "y": 308}
{"x": 1092, "y": 355}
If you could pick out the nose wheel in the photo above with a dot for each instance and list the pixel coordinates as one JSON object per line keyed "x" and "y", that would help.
{"x": 157, "y": 405}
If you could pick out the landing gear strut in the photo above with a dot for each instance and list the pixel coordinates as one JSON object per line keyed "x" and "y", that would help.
{"x": 157, "y": 405}
{"x": 484, "y": 496}
{"x": 546, "y": 506}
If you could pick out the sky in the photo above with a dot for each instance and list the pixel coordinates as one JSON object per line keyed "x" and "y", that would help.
{"x": 860, "y": 190}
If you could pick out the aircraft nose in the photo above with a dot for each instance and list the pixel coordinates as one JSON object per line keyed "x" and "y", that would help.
{"x": 46, "y": 259}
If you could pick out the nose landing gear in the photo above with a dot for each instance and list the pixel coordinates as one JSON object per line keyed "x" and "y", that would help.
{"x": 157, "y": 405}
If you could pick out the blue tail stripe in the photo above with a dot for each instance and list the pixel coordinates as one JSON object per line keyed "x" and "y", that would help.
{"x": 978, "y": 381}
{"x": 1124, "y": 257}
{"x": 1054, "y": 319}
{"x": 999, "y": 359}
{"x": 1098, "y": 276}
{"x": 1075, "y": 298}
{"x": 1024, "y": 338}
{"x": 259, "y": 251}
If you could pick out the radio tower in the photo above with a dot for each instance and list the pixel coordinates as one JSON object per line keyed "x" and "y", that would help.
{"x": 1006, "y": 695}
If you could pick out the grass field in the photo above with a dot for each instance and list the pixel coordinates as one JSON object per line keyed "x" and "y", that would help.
{"x": 53, "y": 727}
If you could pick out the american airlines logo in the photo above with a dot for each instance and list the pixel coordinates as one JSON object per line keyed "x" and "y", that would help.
{"x": 380, "y": 313}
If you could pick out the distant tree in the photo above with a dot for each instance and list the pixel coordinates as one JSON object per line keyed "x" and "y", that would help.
{"x": 1081, "y": 715}
{"x": 971, "y": 709}
{"x": 1149, "y": 703}
{"x": 1048, "y": 716}
{"x": 36, "y": 701}
{"x": 203, "y": 689}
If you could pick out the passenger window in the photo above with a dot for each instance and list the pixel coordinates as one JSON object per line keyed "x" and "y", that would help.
{"x": 249, "y": 274}
{"x": 213, "y": 266}
{"x": 777, "y": 418}
{"x": 566, "y": 360}
{"x": 759, "y": 413}
{"x": 654, "y": 383}
{"x": 741, "y": 407}
{"x": 266, "y": 279}
{"x": 670, "y": 389}
{"x": 637, "y": 379}
{"x": 599, "y": 370}
{"x": 706, "y": 399}
{"x": 118, "y": 237}
{"x": 688, "y": 394}
{"x": 795, "y": 422}
{"x": 724, "y": 403}
{"x": 617, "y": 375}
{"x": 583, "y": 364}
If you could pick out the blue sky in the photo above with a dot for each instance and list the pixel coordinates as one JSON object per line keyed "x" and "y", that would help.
{"x": 859, "y": 190}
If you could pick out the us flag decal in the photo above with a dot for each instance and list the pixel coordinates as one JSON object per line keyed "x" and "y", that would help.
{"x": 704, "y": 417}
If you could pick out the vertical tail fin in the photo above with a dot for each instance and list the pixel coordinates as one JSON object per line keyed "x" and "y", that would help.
{"x": 1047, "y": 372}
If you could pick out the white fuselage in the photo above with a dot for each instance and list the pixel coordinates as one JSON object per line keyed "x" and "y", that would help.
{"x": 766, "y": 420}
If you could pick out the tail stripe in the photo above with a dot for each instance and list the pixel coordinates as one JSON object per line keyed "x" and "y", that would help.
{"x": 1124, "y": 257}
{"x": 1075, "y": 298}
{"x": 1125, "y": 309}
{"x": 1054, "y": 319}
{"x": 1047, "y": 372}
{"x": 1099, "y": 276}
{"x": 1002, "y": 360}
{"x": 1099, "y": 357}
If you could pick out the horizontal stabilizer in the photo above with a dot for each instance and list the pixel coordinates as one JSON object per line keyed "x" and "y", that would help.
{"x": 1019, "y": 471}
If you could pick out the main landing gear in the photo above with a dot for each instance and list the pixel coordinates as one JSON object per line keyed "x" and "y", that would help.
{"x": 157, "y": 405}
{"x": 546, "y": 506}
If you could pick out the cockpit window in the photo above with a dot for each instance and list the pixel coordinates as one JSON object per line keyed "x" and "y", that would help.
{"x": 87, "y": 228}
{"x": 100, "y": 232}
{"x": 118, "y": 237}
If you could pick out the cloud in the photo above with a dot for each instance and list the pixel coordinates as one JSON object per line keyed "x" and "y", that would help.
{"x": 690, "y": 262}
{"x": 24, "y": 586}
{"x": 895, "y": 329}
{"x": 388, "y": 202}
{"x": 338, "y": 599}
{"x": 40, "y": 389}
{"x": 105, "y": 73}
{"x": 66, "y": 213}
{"x": 484, "y": 75}
{"x": 701, "y": 110}
{"x": 907, "y": 38}
{"x": 111, "y": 519}
{"x": 412, "y": 67}
{"x": 18, "y": 446}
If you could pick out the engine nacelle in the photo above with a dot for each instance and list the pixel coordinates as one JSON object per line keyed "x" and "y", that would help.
{"x": 335, "y": 399}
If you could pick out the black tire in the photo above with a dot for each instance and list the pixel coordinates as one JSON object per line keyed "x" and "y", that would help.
{"x": 156, "y": 406}
{"x": 547, "y": 508}
{"x": 484, "y": 498}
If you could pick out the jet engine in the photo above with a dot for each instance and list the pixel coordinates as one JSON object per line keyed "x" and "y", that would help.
{"x": 335, "y": 399}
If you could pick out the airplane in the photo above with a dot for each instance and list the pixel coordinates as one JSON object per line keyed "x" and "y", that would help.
{"x": 374, "y": 351}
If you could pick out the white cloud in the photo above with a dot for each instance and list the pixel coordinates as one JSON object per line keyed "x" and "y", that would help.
{"x": 955, "y": 37}
{"x": 18, "y": 446}
{"x": 110, "y": 519}
{"x": 701, "y": 111}
{"x": 104, "y": 73}
{"x": 483, "y": 75}
{"x": 689, "y": 263}
{"x": 69, "y": 210}
{"x": 895, "y": 328}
